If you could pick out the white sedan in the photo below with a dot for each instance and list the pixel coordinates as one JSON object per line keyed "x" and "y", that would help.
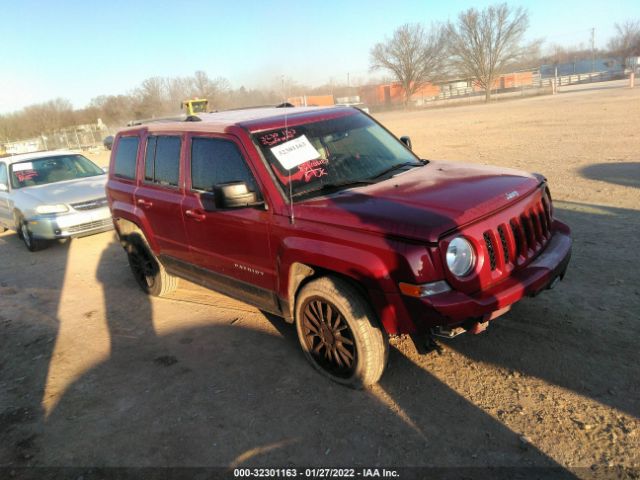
{"x": 50, "y": 195}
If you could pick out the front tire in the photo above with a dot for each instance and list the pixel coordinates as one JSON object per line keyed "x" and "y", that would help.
{"x": 339, "y": 333}
{"x": 32, "y": 244}
{"x": 151, "y": 276}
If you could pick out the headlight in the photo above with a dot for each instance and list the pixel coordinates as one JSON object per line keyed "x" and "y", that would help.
{"x": 460, "y": 257}
{"x": 44, "y": 209}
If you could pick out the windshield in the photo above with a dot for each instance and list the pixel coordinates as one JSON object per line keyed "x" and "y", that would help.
{"x": 51, "y": 170}
{"x": 200, "y": 106}
{"x": 316, "y": 156}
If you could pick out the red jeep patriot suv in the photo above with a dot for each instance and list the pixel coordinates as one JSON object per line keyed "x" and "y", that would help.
{"x": 323, "y": 217}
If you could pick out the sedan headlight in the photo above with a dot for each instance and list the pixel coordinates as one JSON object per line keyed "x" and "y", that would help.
{"x": 45, "y": 209}
{"x": 460, "y": 257}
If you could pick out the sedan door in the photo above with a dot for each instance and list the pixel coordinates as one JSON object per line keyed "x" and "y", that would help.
{"x": 6, "y": 216}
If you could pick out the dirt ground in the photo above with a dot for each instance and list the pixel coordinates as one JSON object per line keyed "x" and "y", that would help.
{"x": 95, "y": 374}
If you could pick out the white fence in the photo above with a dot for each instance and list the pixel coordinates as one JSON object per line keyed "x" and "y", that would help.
{"x": 537, "y": 85}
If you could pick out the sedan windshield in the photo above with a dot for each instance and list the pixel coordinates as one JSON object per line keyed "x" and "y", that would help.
{"x": 51, "y": 170}
{"x": 321, "y": 157}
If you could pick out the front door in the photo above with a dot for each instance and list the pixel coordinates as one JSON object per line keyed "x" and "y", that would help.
{"x": 160, "y": 195}
{"x": 229, "y": 246}
{"x": 6, "y": 218}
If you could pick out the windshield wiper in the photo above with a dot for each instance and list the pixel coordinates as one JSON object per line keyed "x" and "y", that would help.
{"x": 396, "y": 167}
{"x": 337, "y": 186}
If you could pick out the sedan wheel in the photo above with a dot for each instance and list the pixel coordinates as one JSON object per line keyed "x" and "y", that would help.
{"x": 31, "y": 243}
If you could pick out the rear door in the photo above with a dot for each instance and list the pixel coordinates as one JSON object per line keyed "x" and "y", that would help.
{"x": 122, "y": 182}
{"x": 160, "y": 194}
{"x": 230, "y": 246}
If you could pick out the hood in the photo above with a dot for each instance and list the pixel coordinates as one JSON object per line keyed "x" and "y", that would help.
{"x": 423, "y": 203}
{"x": 68, "y": 191}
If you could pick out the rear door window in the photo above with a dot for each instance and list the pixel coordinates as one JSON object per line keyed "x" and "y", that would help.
{"x": 125, "y": 162}
{"x": 215, "y": 161}
{"x": 162, "y": 160}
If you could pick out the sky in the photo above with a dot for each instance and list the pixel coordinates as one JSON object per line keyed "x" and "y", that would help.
{"x": 79, "y": 50}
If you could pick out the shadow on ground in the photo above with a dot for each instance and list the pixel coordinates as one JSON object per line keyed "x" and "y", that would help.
{"x": 581, "y": 335}
{"x": 227, "y": 395}
{"x": 627, "y": 173}
{"x": 29, "y": 311}
{"x": 231, "y": 395}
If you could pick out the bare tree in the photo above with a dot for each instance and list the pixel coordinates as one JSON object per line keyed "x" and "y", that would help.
{"x": 178, "y": 90}
{"x": 556, "y": 54}
{"x": 414, "y": 56}
{"x": 151, "y": 98}
{"x": 626, "y": 43}
{"x": 114, "y": 110}
{"x": 215, "y": 90}
{"x": 46, "y": 117}
{"x": 484, "y": 43}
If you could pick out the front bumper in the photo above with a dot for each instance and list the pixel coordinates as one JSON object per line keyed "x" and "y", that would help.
{"x": 550, "y": 265}
{"x": 71, "y": 224}
{"x": 404, "y": 314}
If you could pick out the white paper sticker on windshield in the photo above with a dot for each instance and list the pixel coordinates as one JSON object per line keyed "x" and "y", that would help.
{"x": 295, "y": 152}
{"x": 20, "y": 167}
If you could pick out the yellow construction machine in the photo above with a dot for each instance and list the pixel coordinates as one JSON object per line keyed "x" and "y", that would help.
{"x": 194, "y": 106}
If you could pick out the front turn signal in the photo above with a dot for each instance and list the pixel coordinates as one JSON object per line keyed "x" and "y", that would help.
{"x": 424, "y": 290}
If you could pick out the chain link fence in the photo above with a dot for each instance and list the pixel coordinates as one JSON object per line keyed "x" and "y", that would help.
{"x": 83, "y": 137}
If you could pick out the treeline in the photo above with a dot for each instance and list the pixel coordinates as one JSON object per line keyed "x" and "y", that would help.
{"x": 155, "y": 97}
{"x": 479, "y": 45}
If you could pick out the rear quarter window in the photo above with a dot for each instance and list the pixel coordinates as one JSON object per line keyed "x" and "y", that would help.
{"x": 125, "y": 161}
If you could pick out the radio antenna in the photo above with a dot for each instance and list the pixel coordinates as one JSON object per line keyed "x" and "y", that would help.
{"x": 292, "y": 217}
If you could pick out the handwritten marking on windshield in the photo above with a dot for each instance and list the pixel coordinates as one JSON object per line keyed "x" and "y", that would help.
{"x": 274, "y": 138}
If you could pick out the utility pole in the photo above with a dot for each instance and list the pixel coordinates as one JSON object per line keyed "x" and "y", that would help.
{"x": 593, "y": 49}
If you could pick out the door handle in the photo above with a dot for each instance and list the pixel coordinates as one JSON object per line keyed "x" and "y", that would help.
{"x": 144, "y": 203}
{"x": 196, "y": 215}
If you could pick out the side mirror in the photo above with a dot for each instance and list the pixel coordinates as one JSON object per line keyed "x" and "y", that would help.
{"x": 234, "y": 195}
{"x": 3, "y": 188}
{"x": 407, "y": 141}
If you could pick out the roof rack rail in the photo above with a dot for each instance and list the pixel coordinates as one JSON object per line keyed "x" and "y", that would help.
{"x": 144, "y": 121}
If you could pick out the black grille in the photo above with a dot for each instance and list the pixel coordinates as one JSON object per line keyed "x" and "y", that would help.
{"x": 537, "y": 231}
{"x": 492, "y": 253}
{"x": 515, "y": 229}
{"x": 543, "y": 224}
{"x": 90, "y": 204}
{"x": 528, "y": 237}
{"x": 503, "y": 241}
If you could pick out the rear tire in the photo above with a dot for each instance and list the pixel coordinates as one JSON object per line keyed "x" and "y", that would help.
{"x": 151, "y": 276}
{"x": 339, "y": 332}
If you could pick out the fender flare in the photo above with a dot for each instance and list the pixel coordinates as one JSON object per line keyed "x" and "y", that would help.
{"x": 127, "y": 221}
{"x": 299, "y": 258}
